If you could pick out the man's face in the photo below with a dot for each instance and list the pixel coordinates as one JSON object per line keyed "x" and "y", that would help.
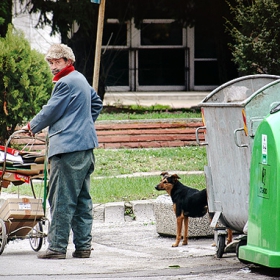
{"x": 57, "y": 65}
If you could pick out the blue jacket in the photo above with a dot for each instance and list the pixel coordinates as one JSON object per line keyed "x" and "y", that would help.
{"x": 70, "y": 115}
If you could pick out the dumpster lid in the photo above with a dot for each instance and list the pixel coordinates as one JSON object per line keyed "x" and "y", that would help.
{"x": 237, "y": 92}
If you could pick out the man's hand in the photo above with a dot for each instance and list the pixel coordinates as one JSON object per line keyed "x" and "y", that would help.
{"x": 25, "y": 128}
{"x": 28, "y": 130}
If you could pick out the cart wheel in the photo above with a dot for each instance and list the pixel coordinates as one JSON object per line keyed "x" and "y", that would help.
{"x": 221, "y": 245}
{"x": 36, "y": 237}
{"x": 3, "y": 236}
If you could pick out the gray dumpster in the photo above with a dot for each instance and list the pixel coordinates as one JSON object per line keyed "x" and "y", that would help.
{"x": 231, "y": 115}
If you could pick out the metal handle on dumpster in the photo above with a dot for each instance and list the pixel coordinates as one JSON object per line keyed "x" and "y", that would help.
{"x": 252, "y": 122}
{"x": 235, "y": 138}
{"x": 197, "y": 136}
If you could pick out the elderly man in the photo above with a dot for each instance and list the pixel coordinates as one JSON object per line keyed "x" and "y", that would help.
{"x": 70, "y": 114}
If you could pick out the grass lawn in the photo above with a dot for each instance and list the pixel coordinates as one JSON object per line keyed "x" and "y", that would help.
{"x": 106, "y": 186}
{"x": 136, "y": 188}
{"x": 136, "y": 112}
{"x": 114, "y": 162}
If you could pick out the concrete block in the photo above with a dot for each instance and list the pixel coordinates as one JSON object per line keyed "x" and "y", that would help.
{"x": 98, "y": 212}
{"x": 166, "y": 220}
{"x": 143, "y": 210}
{"x": 114, "y": 212}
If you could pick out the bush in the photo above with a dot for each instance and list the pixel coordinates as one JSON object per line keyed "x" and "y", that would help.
{"x": 25, "y": 82}
{"x": 256, "y": 32}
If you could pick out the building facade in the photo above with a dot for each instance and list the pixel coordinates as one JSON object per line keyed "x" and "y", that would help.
{"x": 160, "y": 56}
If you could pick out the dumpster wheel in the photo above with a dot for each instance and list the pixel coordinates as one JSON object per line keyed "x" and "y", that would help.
{"x": 221, "y": 244}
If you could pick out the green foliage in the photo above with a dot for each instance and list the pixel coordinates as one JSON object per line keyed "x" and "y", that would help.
{"x": 183, "y": 11}
{"x": 25, "y": 82}
{"x": 5, "y": 16}
{"x": 60, "y": 15}
{"x": 65, "y": 12}
{"x": 255, "y": 31}
{"x": 148, "y": 116}
{"x": 137, "y": 112}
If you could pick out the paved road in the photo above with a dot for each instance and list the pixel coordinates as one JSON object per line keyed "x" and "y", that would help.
{"x": 130, "y": 250}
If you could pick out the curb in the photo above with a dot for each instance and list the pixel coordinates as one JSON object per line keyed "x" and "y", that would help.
{"x": 120, "y": 212}
{"x": 158, "y": 211}
{"x": 141, "y": 174}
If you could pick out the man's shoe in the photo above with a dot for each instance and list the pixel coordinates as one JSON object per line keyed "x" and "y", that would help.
{"x": 81, "y": 254}
{"x": 50, "y": 254}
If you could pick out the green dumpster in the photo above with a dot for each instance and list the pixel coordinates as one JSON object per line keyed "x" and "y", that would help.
{"x": 263, "y": 240}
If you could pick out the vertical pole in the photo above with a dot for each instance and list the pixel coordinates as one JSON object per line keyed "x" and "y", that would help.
{"x": 97, "y": 58}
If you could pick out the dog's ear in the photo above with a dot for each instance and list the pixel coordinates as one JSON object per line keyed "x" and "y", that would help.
{"x": 175, "y": 177}
{"x": 163, "y": 173}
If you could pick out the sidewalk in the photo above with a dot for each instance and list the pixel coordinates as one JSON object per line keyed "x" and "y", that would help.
{"x": 129, "y": 251}
{"x": 173, "y": 99}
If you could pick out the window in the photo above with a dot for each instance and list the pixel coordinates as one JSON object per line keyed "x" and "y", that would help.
{"x": 161, "y": 67}
{"x": 115, "y": 35}
{"x": 115, "y": 63}
{"x": 161, "y": 34}
{"x": 160, "y": 55}
{"x": 205, "y": 60}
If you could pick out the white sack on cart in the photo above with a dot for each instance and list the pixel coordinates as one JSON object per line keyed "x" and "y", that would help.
{"x": 10, "y": 158}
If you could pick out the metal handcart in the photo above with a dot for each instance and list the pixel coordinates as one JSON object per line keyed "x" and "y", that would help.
{"x": 23, "y": 217}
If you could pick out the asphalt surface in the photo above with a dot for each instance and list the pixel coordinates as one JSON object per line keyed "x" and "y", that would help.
{"x": 130, "y": 250}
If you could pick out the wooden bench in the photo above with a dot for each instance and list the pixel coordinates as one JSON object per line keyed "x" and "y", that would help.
{"x": 148, "y": 133}
{"x": 139, "y": 134}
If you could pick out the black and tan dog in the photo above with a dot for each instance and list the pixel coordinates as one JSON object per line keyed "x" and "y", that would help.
{"x": 187, "y": 202}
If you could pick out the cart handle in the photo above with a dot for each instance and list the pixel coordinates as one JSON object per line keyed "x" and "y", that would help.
{"x": 197, "y": 136}
{"x": 236, "y": 140}
{"x": 13, "y": 135}
{"x": 28, "y": 137}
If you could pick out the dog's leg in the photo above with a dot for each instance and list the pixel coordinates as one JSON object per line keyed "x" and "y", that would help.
{"x": 186, "y": 231}
{"x": 179, "y": 230}
{"x": 229, "y": 237}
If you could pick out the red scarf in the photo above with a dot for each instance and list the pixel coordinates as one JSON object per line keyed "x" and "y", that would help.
{"x": 65, "y": 71}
